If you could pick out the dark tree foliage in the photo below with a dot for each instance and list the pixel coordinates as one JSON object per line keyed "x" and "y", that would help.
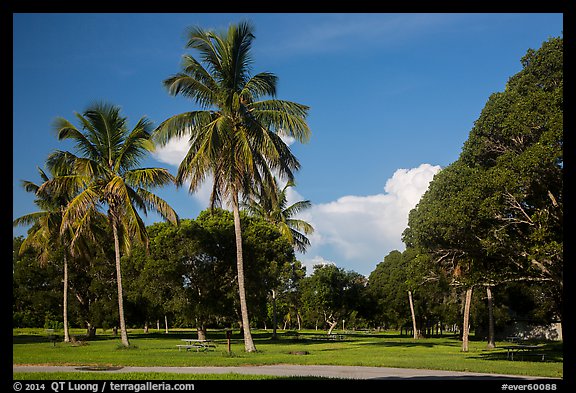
{"x": 496, "y": 214}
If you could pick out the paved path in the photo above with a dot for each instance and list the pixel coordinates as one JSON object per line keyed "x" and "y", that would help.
{"x": 351, "y": 372}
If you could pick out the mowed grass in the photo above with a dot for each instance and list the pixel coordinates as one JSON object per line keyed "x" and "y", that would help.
{"x": 32, "y": 347}
{"x": 151, "y": 376}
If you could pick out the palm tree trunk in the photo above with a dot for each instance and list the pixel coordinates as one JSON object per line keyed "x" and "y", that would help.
{"x": 65, "y": 300}
{"x": 123, "y": 331}
{"x": 248, "y": 343}
{"x": 466, "y": 327}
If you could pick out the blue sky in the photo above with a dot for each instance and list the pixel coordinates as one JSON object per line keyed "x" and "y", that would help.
{"x": 392, "y": 97}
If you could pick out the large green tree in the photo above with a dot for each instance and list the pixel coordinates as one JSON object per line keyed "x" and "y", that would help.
{"x": 333, "y": 294}
{"x": 495, "y": 215}
{"x": 387, "y": 289}
{"x": 35, "y": 287}
{"x": 235, "y": 135}
{"x": 517, "y": 143}
{"x": 108, "y": 175}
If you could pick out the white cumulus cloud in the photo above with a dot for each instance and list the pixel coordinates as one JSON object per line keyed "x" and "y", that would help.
{"x": 358, "y": 231}
{"x": 172, "y": 152}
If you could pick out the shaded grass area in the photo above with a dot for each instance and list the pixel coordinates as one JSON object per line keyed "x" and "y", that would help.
{"x": 305, "y": 347}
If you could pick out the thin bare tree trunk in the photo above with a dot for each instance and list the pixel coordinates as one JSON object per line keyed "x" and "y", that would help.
{"x": 123, "y": 331}
{"x": 274, "y": 318}
{"x": 491, "y": 341}
{"x": 65, "y": 300}
{"x": 332, "y": 324}
{"x": 416, "y": 335}
{"x": 248, "y": 342}
{"x": 466, "y": 327}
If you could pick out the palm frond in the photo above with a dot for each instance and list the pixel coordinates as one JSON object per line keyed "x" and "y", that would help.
{"x": 300, "y": 225}
{"x": 196, "y": 70}
{"x": 203, "y": 41}
{"x": 81, "y": 229}
{"x": 206, "y": 148}
{"x": 62, "y": 186}
{"x": 66, "y": 130}
{"x": 300, "y": 242}
{"x": 28, "y": 219}
{"x": 135, "y": 146}
{"x": 297, "y": 207}
{"x": 282, "y": 116}
{"x": 189, "y": 86}
{"x": 82, "y": 204}
{"x": 260, "y": 85}
{"x": 239, "y": 41}
{"x": 149, "y": 177}
{"x": 181, "y": 125}
{"x": 160, "y": 205}
{"x": 40, "y": 241}
{"x": 29, "y": 186}
{"x": 107, "y": 130}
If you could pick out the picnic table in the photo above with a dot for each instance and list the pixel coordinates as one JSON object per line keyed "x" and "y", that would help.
{"x": 522, "y": 351}
{"x": 199, "y": 345}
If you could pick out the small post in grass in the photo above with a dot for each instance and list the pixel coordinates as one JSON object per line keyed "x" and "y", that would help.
{"x": 228, "y": 335}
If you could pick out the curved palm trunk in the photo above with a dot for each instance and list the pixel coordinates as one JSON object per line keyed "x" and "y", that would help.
{"x": 65, "y": 300}
{"x": 248, "y": 343}
{"x": 123, "y": 332}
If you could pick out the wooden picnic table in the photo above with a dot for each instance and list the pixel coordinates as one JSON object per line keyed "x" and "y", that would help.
{"x": 522, "y": 350}
{"x": 191, "y": 343}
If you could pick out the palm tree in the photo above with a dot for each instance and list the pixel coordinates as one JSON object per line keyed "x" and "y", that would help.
{"x": 234, "y": 137}
{"x": 108, "y": 175}
{"x": 271, "y": 205}
{"x": 44, "y": 233}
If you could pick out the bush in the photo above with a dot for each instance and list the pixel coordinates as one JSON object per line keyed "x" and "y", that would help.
{"x": 50, "y": 323}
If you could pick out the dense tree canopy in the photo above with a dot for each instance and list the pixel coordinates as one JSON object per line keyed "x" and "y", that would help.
{"x": 496, "y": 214}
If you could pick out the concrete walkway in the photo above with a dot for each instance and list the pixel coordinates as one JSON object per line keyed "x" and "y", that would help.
{"x": 348, "y": 372}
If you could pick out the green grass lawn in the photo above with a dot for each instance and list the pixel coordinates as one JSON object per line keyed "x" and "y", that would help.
{"x": 31, "y": 346}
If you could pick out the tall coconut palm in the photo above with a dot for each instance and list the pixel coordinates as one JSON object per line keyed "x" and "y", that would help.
{"x": 234, "y": 136}
{"x": 108, "y": 176}
{"x": 44, "y": 233}
{"x": 272, "y": 205}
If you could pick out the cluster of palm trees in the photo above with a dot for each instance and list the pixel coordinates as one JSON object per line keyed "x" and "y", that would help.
{"x": 234, "y": 140}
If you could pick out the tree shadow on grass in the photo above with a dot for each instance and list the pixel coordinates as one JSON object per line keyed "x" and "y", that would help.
{"x": 548, "y": 353}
